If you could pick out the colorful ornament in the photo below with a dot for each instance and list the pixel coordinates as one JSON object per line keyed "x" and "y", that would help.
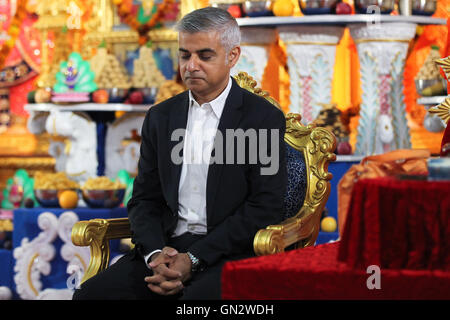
{"x": 124, "y": 9}
{"x": 19, "y": 190}
{"x": 75, "y": 75}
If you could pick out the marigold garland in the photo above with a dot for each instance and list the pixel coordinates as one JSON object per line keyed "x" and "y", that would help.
{"x": 13, "y": 32}
{"x": 124, "y": 10}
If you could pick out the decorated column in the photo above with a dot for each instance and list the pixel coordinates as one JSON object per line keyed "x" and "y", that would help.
{"x": 311, "y": 54}
{"x": 382, "y": 51}
{"x": 255, "y": 45}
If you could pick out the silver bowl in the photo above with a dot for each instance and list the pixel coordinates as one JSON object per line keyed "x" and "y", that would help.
{"x": 318, "y": 6}
{"x": 117, "y": 95}
{"x": 103, "y": 198}
{"x": 386, "y": 6}
{"x": 421, "y": 85}
{"x": 257, "y": 8}
{"x": 47, "y": 198}
{"x": 423, "y": 7}
{"x": 148, "y": 95}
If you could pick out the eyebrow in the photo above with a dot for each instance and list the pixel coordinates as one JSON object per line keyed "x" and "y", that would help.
{"x": 206, "y": 50}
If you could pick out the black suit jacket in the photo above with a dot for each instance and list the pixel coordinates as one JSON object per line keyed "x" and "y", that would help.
{"x": 239, "y": 200}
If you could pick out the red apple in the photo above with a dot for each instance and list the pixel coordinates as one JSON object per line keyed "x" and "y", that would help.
{"x": 343, "y": 8}
{"x": 344, "y": 148}
{"x": 235, "y": 11}
{"x": 136, "y": 97}
{"x": 100, "y": 96}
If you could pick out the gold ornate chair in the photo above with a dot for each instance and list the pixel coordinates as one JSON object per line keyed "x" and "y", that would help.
{"x": 309, "y": 150}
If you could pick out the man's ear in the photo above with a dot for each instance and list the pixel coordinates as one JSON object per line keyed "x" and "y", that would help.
{"x": 233, "y": 56}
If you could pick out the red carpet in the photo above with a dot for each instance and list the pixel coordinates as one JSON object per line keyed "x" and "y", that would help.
{"x": 315, "y": 273}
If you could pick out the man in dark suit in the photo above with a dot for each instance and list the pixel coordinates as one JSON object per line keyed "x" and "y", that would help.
{"x": 211, "y": 173}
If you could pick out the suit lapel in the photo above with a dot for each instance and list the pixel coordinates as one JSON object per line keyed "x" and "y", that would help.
{"x": 177, "y": 120}
{"x": 230, "y": 118}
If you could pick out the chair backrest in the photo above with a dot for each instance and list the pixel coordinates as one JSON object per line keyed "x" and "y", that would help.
{"x": 309, "y": 149}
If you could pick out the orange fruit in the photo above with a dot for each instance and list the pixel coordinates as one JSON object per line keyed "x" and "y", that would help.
{"x": 68, "y": 199}
{"x": 283, "y": 8}
{"x": 328, "y": 224}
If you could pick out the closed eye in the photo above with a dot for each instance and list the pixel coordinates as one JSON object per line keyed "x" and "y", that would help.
{"x": 205, "y": 58}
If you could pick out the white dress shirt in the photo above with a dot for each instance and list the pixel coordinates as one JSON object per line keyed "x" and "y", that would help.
{"x": 201, "y": 128}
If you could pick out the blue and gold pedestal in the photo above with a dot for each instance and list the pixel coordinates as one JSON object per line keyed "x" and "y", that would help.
{"x": 43, "y": 257}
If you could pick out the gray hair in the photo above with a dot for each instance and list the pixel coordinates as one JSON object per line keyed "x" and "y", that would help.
{"x": 212, "y": 19}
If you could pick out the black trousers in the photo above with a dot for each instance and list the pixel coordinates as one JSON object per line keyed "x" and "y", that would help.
{"x": 124, "y": 280}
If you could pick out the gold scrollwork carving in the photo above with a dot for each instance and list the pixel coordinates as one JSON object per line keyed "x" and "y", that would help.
{"x": 92, "y": 233}
{"x": 269, "y": 241}
{"x": 96, "y": 234}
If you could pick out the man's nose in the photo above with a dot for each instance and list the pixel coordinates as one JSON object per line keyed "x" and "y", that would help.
{"x": 192, "y": 64}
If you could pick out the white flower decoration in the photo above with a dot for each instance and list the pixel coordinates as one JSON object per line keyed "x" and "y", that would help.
{"x": 385, "y": 131}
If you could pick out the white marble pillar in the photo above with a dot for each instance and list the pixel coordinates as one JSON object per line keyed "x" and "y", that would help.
{"x": 311, "y": 54}
{"x": 382, "y": 51}
{"x": 255, "y": 45}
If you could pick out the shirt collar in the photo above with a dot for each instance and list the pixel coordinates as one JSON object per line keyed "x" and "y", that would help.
{"x": 218, "y": 103}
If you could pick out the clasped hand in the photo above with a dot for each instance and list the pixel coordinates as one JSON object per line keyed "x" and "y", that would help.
{"x": 170, "y": 270}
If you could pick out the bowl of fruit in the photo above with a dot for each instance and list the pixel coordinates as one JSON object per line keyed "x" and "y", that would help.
{"x": 54, "y": 190}
{"x": 54, "y": 198}
{"x": 102, "y": 192}
{"x": 47, "y": 198}
{"x": 104, "y": 198}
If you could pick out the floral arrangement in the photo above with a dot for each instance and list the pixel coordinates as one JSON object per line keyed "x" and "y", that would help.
{"x": 125, "y": 12}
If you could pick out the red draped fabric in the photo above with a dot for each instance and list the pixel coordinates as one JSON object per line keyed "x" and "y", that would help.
{"x": 400, "y": 226}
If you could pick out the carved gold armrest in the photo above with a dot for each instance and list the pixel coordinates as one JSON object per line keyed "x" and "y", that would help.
{"x": 96, "y": 234}
{"x": 276, "y": 238}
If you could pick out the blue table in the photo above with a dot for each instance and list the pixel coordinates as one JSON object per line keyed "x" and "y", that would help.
{"x": 26, "y": 226}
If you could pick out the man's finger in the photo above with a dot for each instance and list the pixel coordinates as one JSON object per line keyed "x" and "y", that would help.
{"x": 155, "y": 279}
{"x": 155, "y": 289}
{"x": 171, "y": 285}
{"x": 166, "y": 289}
{"x": 175, "y": 291}
{"x": 166, "y": 272}
{"x": 171, "y": 252}
{"x": 165, "y": 256}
